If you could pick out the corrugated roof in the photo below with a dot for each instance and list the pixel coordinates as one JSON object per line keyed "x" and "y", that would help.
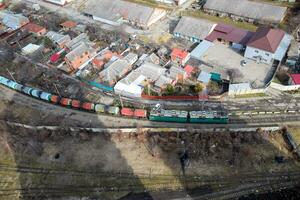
{"x": 239, "y": 87}
{"x": 192, "y": 27}
{"x": 250, "y": 9}
{"x": 230, "y": 34}
{"x": 283, "y": 47}
{"x": 204, "y": 77}
{"x": 14, "y": 21}
{"x": 266, "y": 38}
{"x": 114, "y": 9}
{"x": 80, "y": 50}
{"x": 201, "y": 49}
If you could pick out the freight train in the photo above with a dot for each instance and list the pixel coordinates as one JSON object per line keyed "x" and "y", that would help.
{"x": 162, "y": 115}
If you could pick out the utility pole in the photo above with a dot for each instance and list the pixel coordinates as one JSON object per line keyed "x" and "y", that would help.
{"x": 11, "y": 75}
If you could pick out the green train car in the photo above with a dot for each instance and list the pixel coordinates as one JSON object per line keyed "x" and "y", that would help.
{"x": 208, "y": 117}
{"x": 169, "y": 116}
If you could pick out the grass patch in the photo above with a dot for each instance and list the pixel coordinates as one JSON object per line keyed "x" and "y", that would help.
{"x": 151, "y": 3}
{"x": 251, "y": 95}
{"x": 225, "y": 20}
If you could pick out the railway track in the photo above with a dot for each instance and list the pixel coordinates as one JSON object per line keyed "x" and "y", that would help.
{"x": 251, "y": 182}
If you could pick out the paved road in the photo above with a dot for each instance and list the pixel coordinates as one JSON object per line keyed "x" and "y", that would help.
{"x": 94, "y": 120}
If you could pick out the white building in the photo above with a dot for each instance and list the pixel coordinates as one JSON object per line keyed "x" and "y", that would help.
{"x": 267, "y": 45}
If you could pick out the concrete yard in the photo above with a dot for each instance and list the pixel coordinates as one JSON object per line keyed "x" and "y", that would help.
{"x": 221, "y": 58}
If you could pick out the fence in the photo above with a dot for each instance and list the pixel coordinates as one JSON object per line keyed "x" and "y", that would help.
{"x": 284, "y": 87}
{"x": 201, "y": 97}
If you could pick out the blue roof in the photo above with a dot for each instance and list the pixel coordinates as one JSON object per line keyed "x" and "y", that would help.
{"x": 201, "y": 49}
{"x": 282, "y": 48}
{"x": 204, "y": 77}
{"x": 14, "y": 21}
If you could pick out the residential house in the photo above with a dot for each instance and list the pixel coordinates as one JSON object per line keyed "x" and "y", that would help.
{"x": 14, "y": 21}
{"x": 177, "y": 73}
{"x": 180, "y": 56}
{"x": 79, "y": 56}
{"x": 189, "y": 70}
{"x": 75, "y": 42}
{"x": 115, "y": 71}
{"x": 35, "y": 29}
{"x": 59, "y": 39}
{"x": 67, "y": 25}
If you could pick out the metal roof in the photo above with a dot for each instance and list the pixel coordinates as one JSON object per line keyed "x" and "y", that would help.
{"x": 192, "y": 27}
{"x": 239, "y": 87}
{"x": 266, "y": 38}
{"x": 204, "y": 77}
{"x": 229, "y": 33}
{"x": 250, "y": 9}
{"x": 115, "y": 9}
{"x": 201, "y": 49}
{"x": 283, "y": 47}
{"x": 14, "y": 21}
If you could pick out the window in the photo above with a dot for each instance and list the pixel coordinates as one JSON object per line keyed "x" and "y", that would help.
{"x": 256, "y": 51}
{"x": 267, "y": 54}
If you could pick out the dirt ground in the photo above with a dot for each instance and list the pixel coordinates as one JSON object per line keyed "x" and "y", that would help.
{"x": 137, "y": 161}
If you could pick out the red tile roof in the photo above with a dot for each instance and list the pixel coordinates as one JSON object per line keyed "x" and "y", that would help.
{"x": 34, "y": 28}
{"x": 68, "y": 24}
{"x": 230, "y": 34}
{"x": 266, "y": 38}
{"x": 179, "y": 53}
{"x": 296, "y": 78}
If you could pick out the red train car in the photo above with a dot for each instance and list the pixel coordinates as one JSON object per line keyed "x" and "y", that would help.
{"x": 128, "y": 112}
{"x": 55, "y": 99}
{"x": 75, "y": 104}
{"x": 140, "y": 113}
{"x": 88, "y": 106}
{"x": 65, "y": 102}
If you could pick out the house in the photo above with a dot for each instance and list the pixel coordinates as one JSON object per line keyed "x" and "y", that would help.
{"x": 79, "y": 56}
{"x": 35, "y": 29}
{"x": 59, "y": 2}
{"x": 192, "y": 29}
{"x": 114, "y": 12}
{"x": 68, "y": 25}
{"x": 189, "y": 70}
{"x": 59, "y": 39}
{"x": 14, "y": 21}
{"x": 115, "y": 71}
{"x": 148, "y": 73}
{"x": 177, "y": 73}
{"x": 267, "y": 45}
{"x": 75, "y": 42}
{"x": 180, "y": 56}
{"x": 294, "y": 79}
{"x": 246, "y": 10}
